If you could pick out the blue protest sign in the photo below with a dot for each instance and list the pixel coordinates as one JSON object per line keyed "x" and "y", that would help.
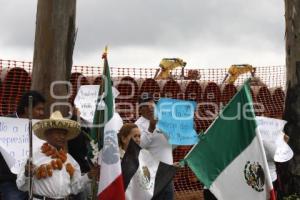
{"x": 176, "y": 120}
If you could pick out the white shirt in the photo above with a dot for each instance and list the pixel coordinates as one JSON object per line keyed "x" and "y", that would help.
{"x": 59, "y": 185}
{"x": 155, "y": 142}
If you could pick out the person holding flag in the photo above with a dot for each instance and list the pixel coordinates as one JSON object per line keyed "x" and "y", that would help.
{"x": 56, "y": 174}
{"x": 230, "y": 158}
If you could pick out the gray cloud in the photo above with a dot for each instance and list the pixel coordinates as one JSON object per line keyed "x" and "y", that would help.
{"x": 174, "y": 22}
{"x": 214, "y": 28}
{"x": 17, "y": 19}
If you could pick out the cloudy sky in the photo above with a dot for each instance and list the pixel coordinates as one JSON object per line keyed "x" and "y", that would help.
{"x": 210, "y": 33}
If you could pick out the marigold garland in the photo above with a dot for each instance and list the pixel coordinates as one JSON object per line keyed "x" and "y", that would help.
{"x": 49, "y": 170}
{"x": 70, "y": 169}
{"x": 59, "y": 158}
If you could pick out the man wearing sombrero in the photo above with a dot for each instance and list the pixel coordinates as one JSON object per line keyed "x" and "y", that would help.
{"x": 56, "y": 174}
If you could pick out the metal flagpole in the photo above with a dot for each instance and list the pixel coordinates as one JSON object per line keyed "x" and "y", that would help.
{"x": 30, "y": 148}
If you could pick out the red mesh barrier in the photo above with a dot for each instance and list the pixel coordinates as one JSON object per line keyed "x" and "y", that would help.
{"x": 228, "y": 91}
{"x": 126, "y": 102}
{"x": 171, "y": 89}
{"x": 150, "y": 86}
{"x": 278, "y": 101}
{"x": 97, "y": 80}
{"x": 16, "y": 82}
{"x": 272, "y": 76}
{"x": 1, "y": 92}
{"x": 128, "y": 89}
{"x": 77, "y": 79}
{"x": 209, "y": 107}
{"x": 186, "y": 184}
{"x": 263, "y": 96}
{"x": 252, "y": 95}
{"x": 193, "y": 91}
{"x": 210, "y": 94}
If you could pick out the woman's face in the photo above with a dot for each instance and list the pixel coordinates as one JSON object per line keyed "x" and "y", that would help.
{"x": 135, "y": 135}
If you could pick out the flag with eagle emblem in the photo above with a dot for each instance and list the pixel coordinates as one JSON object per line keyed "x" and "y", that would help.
{"x": 230, "y": 159}
{"x": 144, "y": 177}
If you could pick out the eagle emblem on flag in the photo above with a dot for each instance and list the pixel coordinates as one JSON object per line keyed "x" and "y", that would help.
{"x": 255, "y": 176}
{"x": 110, "y": 149}
{"x": 145, "y": 178}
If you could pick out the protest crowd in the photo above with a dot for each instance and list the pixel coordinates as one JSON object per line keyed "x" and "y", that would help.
{"x": 135, "y": 159}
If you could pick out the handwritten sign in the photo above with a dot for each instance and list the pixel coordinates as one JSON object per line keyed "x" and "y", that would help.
{"x": 176, "y": 121}
{"x": 270, "y": 128}
{"x": 86, "y": 100}
{"x": 14, "y": 142}
{"x": 271, "y": 131}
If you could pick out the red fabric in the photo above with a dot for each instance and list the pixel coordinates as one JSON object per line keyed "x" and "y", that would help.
{"x": 272, "y": 195}
{"x": 115, "y": 191}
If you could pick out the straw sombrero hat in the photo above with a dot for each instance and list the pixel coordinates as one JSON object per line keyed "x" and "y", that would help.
{"x": 56, "y": 121}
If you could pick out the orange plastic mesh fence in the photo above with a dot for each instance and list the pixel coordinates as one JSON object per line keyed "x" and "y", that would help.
{"x": 208, "y": 92}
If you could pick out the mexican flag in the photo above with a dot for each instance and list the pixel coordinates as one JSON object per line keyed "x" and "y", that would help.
{"x": 144, "y": 177}
{"x": 111, "y": 180}
{"x": 230, "y": 159}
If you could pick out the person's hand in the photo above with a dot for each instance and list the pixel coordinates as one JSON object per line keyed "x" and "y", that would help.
{"x": 32, "y": 167}
{"x": 177, "y": 165}
{"x": 77, "y": 112}
{"x": 94, "y": 172}
{"x": 286, "y": 138}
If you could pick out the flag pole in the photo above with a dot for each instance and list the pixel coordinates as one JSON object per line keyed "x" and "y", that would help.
{"x": 99, "y": 130}
{"x": 30, "y": 148}
{"x": 266, "y": 166}
{"x": 102, "y": 95}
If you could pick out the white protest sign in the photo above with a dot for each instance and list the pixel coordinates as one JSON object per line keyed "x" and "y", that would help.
{"x": 270, "y": 128}
{"x": 86, "y": 100}
{"x": 271, "y": 131}
{"x": 14, "y": 142}
{"x": 10, "y": 161}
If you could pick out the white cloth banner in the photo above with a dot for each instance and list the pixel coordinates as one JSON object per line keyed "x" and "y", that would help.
{"x": 14, "y": 141}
